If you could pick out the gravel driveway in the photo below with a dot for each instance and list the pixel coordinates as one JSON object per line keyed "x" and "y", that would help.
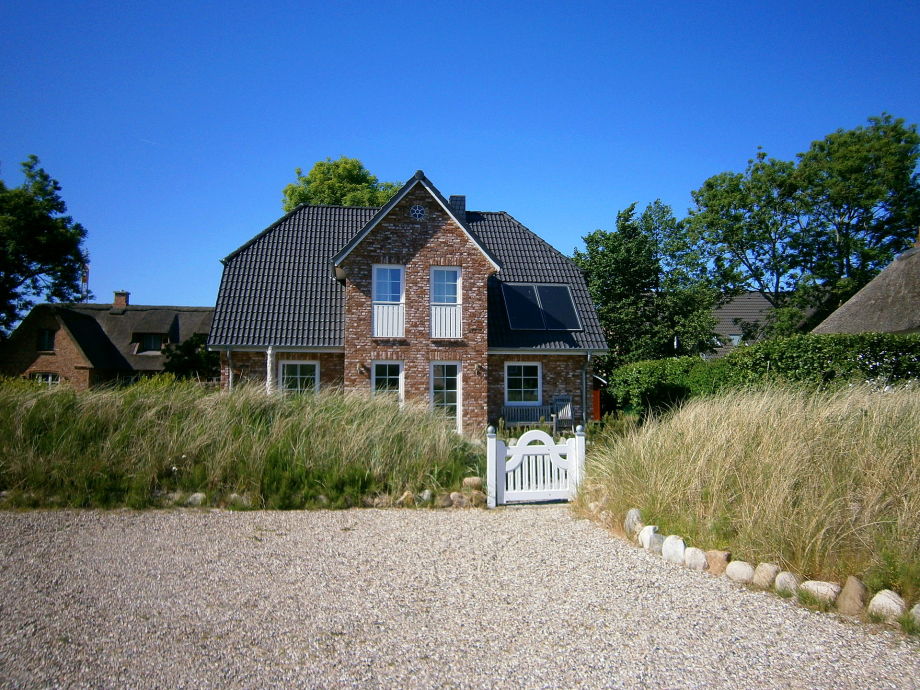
{"x": 520, "y": 597}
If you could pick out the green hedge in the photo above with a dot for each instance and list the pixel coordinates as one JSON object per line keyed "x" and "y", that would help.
{"x": 799, "y": 359}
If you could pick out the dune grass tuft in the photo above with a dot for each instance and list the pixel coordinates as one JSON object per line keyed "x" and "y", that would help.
{"x": 826, "y": 484}
{"x": 127, "y": 446}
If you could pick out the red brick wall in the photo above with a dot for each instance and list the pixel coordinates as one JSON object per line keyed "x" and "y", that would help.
{"x": 436, "y": 240}
{"x": 250, "y": 367}
{"x": 561, "y": 376}
{"x": 22, "y": 358}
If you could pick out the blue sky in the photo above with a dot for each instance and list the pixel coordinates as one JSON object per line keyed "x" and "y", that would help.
{"x": 173, "y": 126}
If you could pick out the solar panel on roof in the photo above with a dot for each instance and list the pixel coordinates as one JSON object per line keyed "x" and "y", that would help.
{"x": 524, "y": 311}
{"x": 558, "y": 309}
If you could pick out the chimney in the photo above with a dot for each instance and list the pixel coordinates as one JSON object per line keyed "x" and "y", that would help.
{"x": 120, "y": 302}
{"x": 458, "y": 206}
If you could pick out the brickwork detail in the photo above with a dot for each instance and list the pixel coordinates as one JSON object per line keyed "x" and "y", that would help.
{"x": 436, "y": 240}
{"x": 249, "y": 367}
{"x": 22, "y": 358}
{"x": 561, "y": 376}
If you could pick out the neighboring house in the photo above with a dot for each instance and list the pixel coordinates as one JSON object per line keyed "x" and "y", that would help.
{"x": 422, "y": 299}
{"x": 889, "y": 303}
{"x": 751, "y": 307}
{"x": 88, "y": 344}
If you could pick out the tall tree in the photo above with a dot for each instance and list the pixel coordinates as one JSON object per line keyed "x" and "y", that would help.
{"x": 809, "y": 234}
{"x": 41, "y": 248}
{"x": 651, "y": 300}
{"x": 342, "y": 182}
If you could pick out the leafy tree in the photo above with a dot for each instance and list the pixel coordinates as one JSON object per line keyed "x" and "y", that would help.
{"x": 809, "y": 234}
{"x": 191, "y": 359}
{"x": 652, "y": 297}
{"x": 41, "y": 249}
{"x": 343, "y": 182}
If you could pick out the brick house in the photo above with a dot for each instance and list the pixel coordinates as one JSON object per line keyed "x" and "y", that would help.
{"x": 467, "y": 310}
{"x": 89, "y": 344}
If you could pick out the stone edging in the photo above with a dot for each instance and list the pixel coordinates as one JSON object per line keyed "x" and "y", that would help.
{"x": 850, "y": 600}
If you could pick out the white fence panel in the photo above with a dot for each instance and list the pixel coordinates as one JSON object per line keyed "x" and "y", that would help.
{"x": 389, "y": 320}
{"x": 445, "y": 321}
{"x": 536, "y": 468}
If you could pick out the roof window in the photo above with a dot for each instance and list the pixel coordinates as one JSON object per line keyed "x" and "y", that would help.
{"x": 540, "y": 307}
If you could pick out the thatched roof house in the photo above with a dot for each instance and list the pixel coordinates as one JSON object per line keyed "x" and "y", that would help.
{"x": 889, "y": 303}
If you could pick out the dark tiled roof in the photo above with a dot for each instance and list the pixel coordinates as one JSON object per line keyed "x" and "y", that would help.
{"x": 106, "y": 336}
{"x": 751, "y": 307}
{"x": 278, "y": 289}
{"x": 526, "y": 258}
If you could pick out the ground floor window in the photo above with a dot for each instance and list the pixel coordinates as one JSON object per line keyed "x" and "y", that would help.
{"x": 387, "y": 379}
{"x": 523, "y": 383}
{"x": 445, "y": 387}
{"x": 298, "y": 377}
{"x": 47, "y": 377}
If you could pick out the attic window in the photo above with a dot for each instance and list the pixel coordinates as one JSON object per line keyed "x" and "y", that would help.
{"x": 540, "y": 307}
{"x": 417, "y": 211}
{"x": 150, "y": 342}
{"x": 45, "y": 340}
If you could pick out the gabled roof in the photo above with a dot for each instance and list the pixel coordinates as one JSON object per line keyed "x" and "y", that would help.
{"x": 889, "y": 303}
{"x": 278, "y": 290}
{"x": 418, "y": 178}
{"x": 106, "y": 336}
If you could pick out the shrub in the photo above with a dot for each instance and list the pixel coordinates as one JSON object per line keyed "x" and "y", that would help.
{"x": 804, "y": 360}
{"x": 825, "y": 483}
{"x": 652, "y": 384}
{"x": 126, "y": 446}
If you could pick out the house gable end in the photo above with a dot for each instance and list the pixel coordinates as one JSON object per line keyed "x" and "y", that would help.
{"x": 397, "y": 203}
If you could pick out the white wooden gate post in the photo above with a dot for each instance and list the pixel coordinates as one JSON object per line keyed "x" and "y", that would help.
{"x": 495, "y": 469}
{"x": 576, "y": 457}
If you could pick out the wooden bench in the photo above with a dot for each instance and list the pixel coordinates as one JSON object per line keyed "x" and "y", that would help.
{"x": 527, "y": 415}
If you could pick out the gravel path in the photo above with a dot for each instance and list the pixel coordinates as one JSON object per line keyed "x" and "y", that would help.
{"x": 520, "y": 597}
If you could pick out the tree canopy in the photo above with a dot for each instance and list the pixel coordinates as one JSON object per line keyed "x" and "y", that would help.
{"x": 191, "y": 359}
{"x": 41, "y": 248}
{"x": 342, "y": 182}
{"x": 652, "y": 295}
{"x": 809, "y": 234}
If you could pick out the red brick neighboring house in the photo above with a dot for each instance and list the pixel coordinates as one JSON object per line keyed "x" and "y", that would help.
{"x": 467, "y": 310}
{"x": 89, "y": 344}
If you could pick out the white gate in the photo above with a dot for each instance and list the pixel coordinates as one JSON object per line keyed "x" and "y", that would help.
{"x": 536, "y": 468}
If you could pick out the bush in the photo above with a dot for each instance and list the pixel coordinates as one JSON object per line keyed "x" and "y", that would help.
{"x": 652, "y": 384}
{"x": 825, "y": 483}
{"x": 810, "y": 360}
{"x": 128, "y": 446}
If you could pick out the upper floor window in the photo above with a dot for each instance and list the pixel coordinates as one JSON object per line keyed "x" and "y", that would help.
{"x": 45, "y": 340}
{"x": 388, "y": 301}
{"x": 445, "y": 302}
{"x": 150, "y": 342}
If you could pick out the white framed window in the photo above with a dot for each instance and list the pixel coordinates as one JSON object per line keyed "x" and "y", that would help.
{"x": 48, "y": 378}
{"x": 446, "y": 392}
{"x": 523, "y": 383}
{"x": 388, "y": 296}
{"x": 387, "y": 379}
{"x": 445, "y": 302}
{"x": 298, "y": 376}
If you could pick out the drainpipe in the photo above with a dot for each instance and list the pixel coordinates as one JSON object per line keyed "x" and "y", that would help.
{"x": 584, "y": 389}
{"x": 230, "y": 367}
{"x": 269, "y": 368}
